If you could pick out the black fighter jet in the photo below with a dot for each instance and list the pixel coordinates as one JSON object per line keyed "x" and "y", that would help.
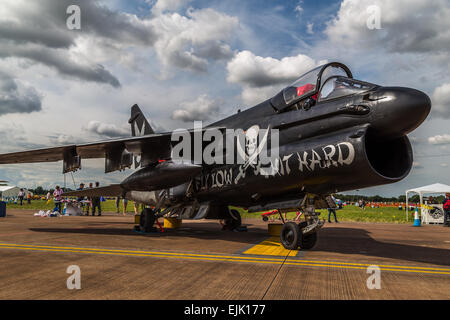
{"x": 331, "y": 133}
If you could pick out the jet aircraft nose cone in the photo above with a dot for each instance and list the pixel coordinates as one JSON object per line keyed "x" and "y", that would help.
{"x": 401, "y": 110}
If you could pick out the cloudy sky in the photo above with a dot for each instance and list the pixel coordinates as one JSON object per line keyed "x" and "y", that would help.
{"x": 185, "y": 60}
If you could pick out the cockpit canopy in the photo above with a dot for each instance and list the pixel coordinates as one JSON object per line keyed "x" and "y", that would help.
{"x": 328, "y": 81}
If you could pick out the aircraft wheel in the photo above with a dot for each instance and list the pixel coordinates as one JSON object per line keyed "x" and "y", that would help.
{"x": 234, "y": 221}
{"x": 309, "y": 241}
{"x": 147, "y": 220}
{"x": 290, "y": 236}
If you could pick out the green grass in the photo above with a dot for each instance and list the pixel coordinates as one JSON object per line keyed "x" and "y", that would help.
{"x": 352, "y": 213}
{"x": 107, "y": 206}
{"x": 348, "y": 213}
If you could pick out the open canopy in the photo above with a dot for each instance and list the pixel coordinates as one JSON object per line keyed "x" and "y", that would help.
{"x": 328, "y": 81}
{"x": 309, "y": 83}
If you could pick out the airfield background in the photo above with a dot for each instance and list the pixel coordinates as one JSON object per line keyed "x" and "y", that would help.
{"x": 382, "y": 212}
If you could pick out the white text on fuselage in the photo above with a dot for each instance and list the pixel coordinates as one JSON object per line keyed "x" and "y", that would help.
{"x": 299, "y": 163}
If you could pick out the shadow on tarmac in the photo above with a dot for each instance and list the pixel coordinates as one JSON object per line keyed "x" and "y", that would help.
{"x": 348, "y": 241}
{"x": 202, "y": 231}
{"x": 358, "y": 241}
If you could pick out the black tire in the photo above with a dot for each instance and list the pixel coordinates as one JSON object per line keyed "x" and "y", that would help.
{"x": 236, "y": 217}
{"x": 234, "y": 221}
{"x": 147, "y": 220}
{"x": 309, "y": 241}
{"x": 290, "y": 236}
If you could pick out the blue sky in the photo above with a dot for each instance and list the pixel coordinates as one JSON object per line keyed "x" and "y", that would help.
{"x": 202, "y": 57}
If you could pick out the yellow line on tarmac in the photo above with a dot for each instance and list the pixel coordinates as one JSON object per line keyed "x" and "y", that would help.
{"x": 293, "y": 262}
{"x": 139, "y": 252}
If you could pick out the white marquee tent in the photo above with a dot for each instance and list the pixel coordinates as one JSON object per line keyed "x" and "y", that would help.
{"x": 9, "y": 191}
{"x": 430, "y": 189}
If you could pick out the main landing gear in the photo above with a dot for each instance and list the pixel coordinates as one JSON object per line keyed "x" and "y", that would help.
{"x": 292, "y": 237}
{"x": 147, "y": 220}
{"x": 304, "y": 234}
{"x": 233, "y": 222}
{"x": 150, "y": 216}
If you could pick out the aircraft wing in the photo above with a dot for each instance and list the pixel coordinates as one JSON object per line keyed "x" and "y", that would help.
{"x": 118, "y": 153}
{"x": 111, "y": 190}
{"x": 40, "y": 155}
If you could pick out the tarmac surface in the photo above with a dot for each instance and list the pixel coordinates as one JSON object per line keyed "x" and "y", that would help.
{"x": 199, "y": 261}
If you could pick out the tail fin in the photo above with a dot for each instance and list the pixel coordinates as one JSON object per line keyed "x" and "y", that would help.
{"x": 139, "y": 125}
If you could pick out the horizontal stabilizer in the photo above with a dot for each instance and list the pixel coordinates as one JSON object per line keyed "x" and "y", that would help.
{"x": 113, "y": 190}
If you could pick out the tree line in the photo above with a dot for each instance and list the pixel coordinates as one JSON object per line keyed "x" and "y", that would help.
{"x": 402, "y": 198}
{"x": 344, "y": 197}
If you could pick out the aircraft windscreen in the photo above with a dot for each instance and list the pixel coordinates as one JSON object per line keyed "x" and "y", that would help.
{"x": 336, "y": 87}
{"x": 306, "y": 84}
{"x": 302, "y": 86}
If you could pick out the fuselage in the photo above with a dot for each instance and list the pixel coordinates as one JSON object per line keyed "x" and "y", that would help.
{"x": 342, "y": 134}
{"x": 331, "y": 147}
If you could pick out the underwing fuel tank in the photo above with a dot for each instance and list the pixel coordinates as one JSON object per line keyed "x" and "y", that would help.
{"x": 163, "y": 175}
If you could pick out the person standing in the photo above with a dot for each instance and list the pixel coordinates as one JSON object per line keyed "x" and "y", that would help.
{"x": 117, "y": 204}
{"x": 57, "y": 195}
{"x": 125, "y": 203}
{"x": 29, "y": 197}
{"x": 96, "y": 203}
{"x": 89, "y": 200}
{"x": 136, "y": 208}
{"x": 81, "y": 199}
{"x": 332, "y": 210}
{"x": 446, "y": 207}
{"x": 21, "y": 195}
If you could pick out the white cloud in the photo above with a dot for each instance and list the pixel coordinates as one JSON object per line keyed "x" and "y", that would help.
{"x": 16, "y": 97}
{"x": 309, "y": 28}
{"x": 168, "y": 5}
{"x": 106, "y": 129}
{"x": 203, "y": 108}
{"x": 252, "y": 95}
{"x": 262, "y": 77}
{"x": 444, "y": 165}
{"x": 14, "y": 137}
{"x": 441, "y": 101}
{"x": 188, "y": 42}
{"x": 65, "y": 139}
{"x": 249, "y": 69}
{"x": 407, "y": 25}
{"x": 439, "y": 139}
{"x": 298, "y": 8}
{"x": 56, "y": 47}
